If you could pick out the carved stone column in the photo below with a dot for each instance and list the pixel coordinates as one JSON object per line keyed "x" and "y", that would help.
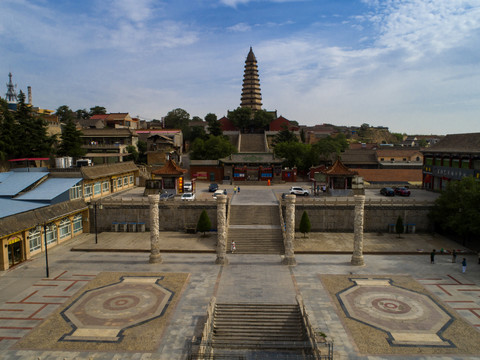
{"x": 221, "y": 230}
{"x": 357, "y": 257}
{"x": 289, "y": 258}
{"x": 155, "y": 256}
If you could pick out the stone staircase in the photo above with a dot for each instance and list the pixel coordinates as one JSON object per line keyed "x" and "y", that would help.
{"x": 255, "y": 229}
{"x": 254, "y": 143}
{"x": 259, "y": 327}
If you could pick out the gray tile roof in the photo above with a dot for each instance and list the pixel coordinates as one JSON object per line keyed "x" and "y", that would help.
{"x": 457, "y": 143}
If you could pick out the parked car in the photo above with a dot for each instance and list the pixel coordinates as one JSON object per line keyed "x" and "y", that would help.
{"x": 188, "y": 196}
{"x": 297, "y": 190}
{"x": 213, "y": 187}
{"x": 387, "y": 191}
{"x": 218, "y": 192}
{"x": 166, "y": 196}
{"x": 187, "y": 186}
{"x": 402, "y": 191}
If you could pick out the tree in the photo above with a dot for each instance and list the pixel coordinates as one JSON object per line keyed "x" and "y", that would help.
{"x": 32, "y": 138}
{"x": 399, "y": 226}
{"x": 142, "y": 151}
{"x": 204, "y": 224}
{"x": 305, "y": 225}
{"x": 197, "y": 132}
{"x": 294, "y": 153}
{"x": 214, "y": 126}
{"x": 7, "y": 132}
{"x": 285, "y": 135}
{"x": 262, "y": 119}
{"x": 214, "y": 148}
{"x": 241, "y": 117}
{"x": 82, "y": 114}
{"x": 178, "y": 119}
{"x": 71, "y": 144}
{"x": 97, "y": 110}
{"x": 132, "y": 150}
{"x": 302, "y": 135}
{"x": 65, "y": 114}
{"x": 457, "y": 210}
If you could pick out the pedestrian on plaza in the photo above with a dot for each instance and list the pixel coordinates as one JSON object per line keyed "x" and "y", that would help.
{"x": 432, "y": 257}
{"x": 324, "y": 189}
{"x": 454, "y": 256}
{"x": 464, "y": 265}
{"x": 234, "y": 247}
{"x": 234, "y": 190}
{"x": 238, "y": 189}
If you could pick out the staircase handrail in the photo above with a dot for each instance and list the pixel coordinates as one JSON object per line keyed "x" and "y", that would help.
{"x": 205, "y": 347}
{"x": 313, "y": 333}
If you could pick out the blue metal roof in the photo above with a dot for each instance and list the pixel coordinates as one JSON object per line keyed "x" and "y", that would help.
{"x": 10, "y": 207}
{"x": 15, "y": 182}
{"x": 49, "y": 189}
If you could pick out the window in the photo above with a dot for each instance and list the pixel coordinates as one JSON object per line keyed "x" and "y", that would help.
{"x": 455, "y": 163}
{"x": 476, "y": 164}
{"x": 131, "y": 179}
{"x": 65, "y": 228}
{"x": 382, "y": 159}
{"x": 88, "y": 190}
{"x": 119, "y": 182}
{"x": 35, "y": 239}
{"x": 465, "y": 164}
{"x": 438, "y": 161}
{"x": 404, "y": 159}
{"x": 446, "y": 162}
{"x": 97, "y": 188}
{"x": 51, "y": 233}
{"x": 76, "y": 191}
{"x": 428, "y": 161}
{"x": 125, "y": 181}
{"x": 77, "y": 223}
{"x": 417, "y": 158}
{"x": 106, "y": 186}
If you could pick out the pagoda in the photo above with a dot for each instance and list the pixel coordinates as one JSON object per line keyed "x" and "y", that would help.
{"x": 251, "y": 95}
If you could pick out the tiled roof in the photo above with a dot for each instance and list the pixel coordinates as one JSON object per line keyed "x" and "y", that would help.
{"x": 457, "y": 143}
{"x": 9, "y": 207}
{"x": 14, "y": 182}
{"x": 170, "y": 168}
{"x": 117, "y": 116}
{"x": 99, "y": 117}
{"x": 397, "y": 152}
{"x": 49, "y": 189}
{"x": 359, "y": 156}
{"x": 339, "y": 169}
{"x": 30, "y": 219}
{"x": 391, "y": 175}
{"x": 99, "y": 171}
{"x": 252, "y": 158}
{"x": 108, "y": 132}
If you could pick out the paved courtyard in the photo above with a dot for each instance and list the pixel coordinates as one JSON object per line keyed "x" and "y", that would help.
{"x": 115, "y": 305}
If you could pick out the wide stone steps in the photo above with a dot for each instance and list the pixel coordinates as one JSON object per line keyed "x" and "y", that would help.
{"x": 258, "y": 326}
{"x": 252, "y": 143}
{"x": 254, "y": 215}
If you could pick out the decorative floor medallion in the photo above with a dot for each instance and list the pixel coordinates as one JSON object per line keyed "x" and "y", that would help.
{"x": 408, "y": 317}
{"x": 102, "y": 314}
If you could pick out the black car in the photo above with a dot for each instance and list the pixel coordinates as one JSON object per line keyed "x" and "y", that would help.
{"x": 166, "y": 196}
{"x": 387, "y": 191}
{"x": 213, "y": 187}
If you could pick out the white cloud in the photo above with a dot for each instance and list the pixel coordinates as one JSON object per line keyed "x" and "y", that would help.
{"x": 134, "y": 10}
{"x": 240, "y": 27}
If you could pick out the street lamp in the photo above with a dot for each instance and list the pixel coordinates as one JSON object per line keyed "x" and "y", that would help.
{"x": 46, "y": 252}
{"x": 94, "y": 206}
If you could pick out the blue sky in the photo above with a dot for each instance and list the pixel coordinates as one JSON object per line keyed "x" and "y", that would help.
{"x": 411, "y": 65}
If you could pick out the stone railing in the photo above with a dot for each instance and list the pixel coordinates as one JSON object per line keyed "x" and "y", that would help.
{"x": 205, "y": 346}
{"x": 322, "y": 349}
{"x": 350, "y": 201}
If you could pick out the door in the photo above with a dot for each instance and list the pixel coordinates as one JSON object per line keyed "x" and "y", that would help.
{"x": 14, "y": 253}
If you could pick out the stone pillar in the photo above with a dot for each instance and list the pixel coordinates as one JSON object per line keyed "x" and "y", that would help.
{"x": 357, "y": 257}
{"x": 289, "y": 258}
{"x": 221, "y": 230}
{"x": 155, "y": 256}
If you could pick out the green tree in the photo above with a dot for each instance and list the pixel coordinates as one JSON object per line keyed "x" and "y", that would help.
{"x": 65, "y": 114}
{"x": 399, "y": 226}
{"x": 398, "y": 136}
{"x": 7, "y": 132}
{"x": 305, "y": 225}
{"x": 214, "y": 148}
{"x": 71, "y": 141}
{"x": 204, "y": 224}
{"x": 82, "y": 114}
{"x": 285, "y": 135}
{"x": 294, "y": 153}
{"x": 132, "y": 150}
{"x": 457, "y": 210}
{"x": 302, "y": 135}
{"x": 178, "y": 119}
{"x": 197, "y": 132}
{"x": 241, "y": 117}
{"x": 214, "y": 126}
{"x": 97, "y": 110}
{"x": 32, "y": 138}
{"x": 262, "y": 119}
{"x": 142, "y": 151}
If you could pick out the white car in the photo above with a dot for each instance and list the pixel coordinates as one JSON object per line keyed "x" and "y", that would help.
{"x": 218, "y": 192}
{"x": 188, "y": 196}
{"x": 297, "y": 190}
{"x": 188, "y": 186}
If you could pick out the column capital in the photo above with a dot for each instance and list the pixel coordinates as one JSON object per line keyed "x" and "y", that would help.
{"x": 153, "y": 199}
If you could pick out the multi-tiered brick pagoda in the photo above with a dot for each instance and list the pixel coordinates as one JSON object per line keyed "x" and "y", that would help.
{"x": 251, "y": 95}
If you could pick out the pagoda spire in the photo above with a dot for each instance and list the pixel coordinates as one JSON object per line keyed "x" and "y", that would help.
{"x": 11, "y": 95}
{"x": 251, "y": 95}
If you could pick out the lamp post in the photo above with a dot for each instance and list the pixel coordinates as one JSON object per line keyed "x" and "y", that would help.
{"x": 46, "y": 253}
{"x": 94, "y": 207}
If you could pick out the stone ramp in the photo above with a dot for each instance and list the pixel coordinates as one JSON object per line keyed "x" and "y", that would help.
{"x": 252, "y": 143}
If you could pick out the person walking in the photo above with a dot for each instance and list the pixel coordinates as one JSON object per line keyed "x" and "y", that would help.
{"x": 454, "y": 256}
{"x": 234, "y": 190}
{"x": 238, "y": 189}
{"x": 432, "y": 257}
{"x": 234, "y": 247}
{"x": 464, "y": 265}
